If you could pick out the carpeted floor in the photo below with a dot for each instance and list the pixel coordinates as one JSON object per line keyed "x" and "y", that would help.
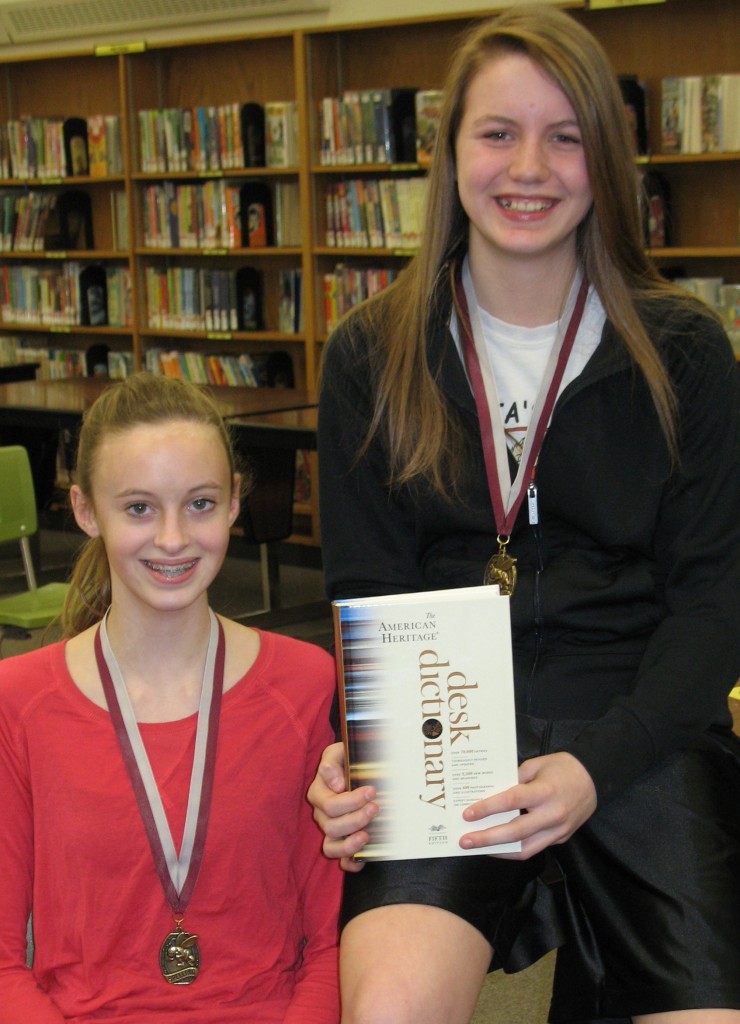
{"x": 522, "y": 998}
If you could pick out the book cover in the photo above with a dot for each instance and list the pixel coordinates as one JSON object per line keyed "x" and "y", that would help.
{"x": 287, "y": 305}
{"x": 390, "y": 212}
{"x": 113, "y": 144}
{"x": 94, "y": 295}
{"x": 76, "y": 160}
{"x": 249, "y": 299}
{"x": 281, "y": 141}
{"x": 354, "y": 142}
{"x": 252, "y": 122}
{"x": 96, "y": 144}
{"x": 711, "y": 114}
{"x": 70, "y": 224}
{"x": 325, "y": 131}
{"x": 273, "y": 369}
{"x": 692, "y": 136}
{"x": 428, "y": 114}
{"x": 672, "y": 114}
{"x": 287, "y": 214}
{"x": 381, "y": 99}
{"x": 427, "y": 702}
{"x": 255, "y": 204}
{"x": 634, "y": 95}
{"x": 656, "y": 209}
{"x": 730, "y": 113}
{"x": 369, "y": 127}
{"x": 403, "y": 125}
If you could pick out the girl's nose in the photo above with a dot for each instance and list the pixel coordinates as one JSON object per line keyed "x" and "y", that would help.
{"x": 171, "y": 533}
{"x": 528, "y": 161}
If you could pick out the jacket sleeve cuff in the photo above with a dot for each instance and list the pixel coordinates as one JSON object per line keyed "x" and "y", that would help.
{"x": 615, "y": 751}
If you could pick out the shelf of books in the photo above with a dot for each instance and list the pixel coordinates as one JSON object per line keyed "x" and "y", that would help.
{"x": 65, "y": 275}
{"x": 374, "y": 115}
{"x": 684, "y": 63}
{"x": 214, "y": 208}
{"x": 157, "y": 223}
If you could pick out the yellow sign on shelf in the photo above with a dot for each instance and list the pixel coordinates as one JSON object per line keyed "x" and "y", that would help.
{"x": 112, "y": 49}
{"x": 601, "y": 5}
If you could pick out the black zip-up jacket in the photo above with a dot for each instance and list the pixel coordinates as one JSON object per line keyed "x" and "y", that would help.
{"x": 626, "y": 614}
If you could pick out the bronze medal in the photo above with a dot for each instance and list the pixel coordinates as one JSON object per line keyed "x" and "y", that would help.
{"x": 501, "y": 570}
{"x": 179, "y": 958}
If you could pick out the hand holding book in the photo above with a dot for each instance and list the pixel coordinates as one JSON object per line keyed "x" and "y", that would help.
{"x": 558, "y": 795}
{"x": 341, "y": 814}
{"x": 556, "y": 790}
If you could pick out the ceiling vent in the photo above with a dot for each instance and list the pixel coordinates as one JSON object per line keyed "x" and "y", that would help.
{"x": 35, "y": 21}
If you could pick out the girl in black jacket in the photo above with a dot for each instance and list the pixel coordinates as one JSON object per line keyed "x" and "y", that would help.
{"x": 531, "y": 391}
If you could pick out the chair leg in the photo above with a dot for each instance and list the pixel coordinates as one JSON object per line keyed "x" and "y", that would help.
{"x": 28, "y": 563}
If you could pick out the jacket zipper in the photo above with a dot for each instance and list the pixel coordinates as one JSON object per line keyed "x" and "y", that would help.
{"x": 533, "y": 506}
{"x": 538, "y": 615}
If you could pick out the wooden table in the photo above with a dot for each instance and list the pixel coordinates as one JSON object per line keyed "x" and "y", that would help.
{"x": 285, "y": 428}
{"x": 62, "y": 402}
{"x": 270, "y": 425}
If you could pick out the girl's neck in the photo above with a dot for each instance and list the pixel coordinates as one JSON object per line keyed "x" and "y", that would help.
{"x": 524, "y": 292}
{"x": 161, "y": 658}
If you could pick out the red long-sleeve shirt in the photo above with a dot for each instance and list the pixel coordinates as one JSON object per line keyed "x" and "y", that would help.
{"x": 73, "y": 849}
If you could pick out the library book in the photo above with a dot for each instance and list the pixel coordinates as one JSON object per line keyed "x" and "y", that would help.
{"x": 427, "y": 702}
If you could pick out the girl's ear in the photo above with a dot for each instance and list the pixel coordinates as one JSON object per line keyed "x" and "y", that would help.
{"x": 235, "y": 503}
{"x": 83, "y": 512}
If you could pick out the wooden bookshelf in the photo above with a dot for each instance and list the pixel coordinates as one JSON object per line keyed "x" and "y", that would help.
{"x": 679, "y": 37}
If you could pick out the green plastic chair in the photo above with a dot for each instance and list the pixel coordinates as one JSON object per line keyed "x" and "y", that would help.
{"x": 36, "y": 606}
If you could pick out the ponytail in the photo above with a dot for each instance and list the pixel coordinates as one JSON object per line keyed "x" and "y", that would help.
{"x": 89, "y": 592}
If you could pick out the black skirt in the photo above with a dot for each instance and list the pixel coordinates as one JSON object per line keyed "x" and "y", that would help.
{"x": 643, "y": 902}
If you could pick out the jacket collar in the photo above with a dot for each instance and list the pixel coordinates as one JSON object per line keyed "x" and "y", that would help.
{"x": 609, "y": 357}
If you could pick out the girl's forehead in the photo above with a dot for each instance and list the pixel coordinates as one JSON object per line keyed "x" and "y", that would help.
{"x": 181, "y": 440}
{"x": 173, "y": 429}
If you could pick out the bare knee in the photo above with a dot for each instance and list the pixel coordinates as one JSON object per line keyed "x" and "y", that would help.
{"x": 393, "y": 1003}
{"x": 407, "y": 963}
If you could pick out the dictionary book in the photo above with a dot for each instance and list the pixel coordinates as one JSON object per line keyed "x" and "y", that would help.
{"x": 427, "y": 702}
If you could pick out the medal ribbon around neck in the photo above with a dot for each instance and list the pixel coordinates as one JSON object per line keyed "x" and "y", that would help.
{"x": 506, "y": 497}
{"x": 178, "y": 875}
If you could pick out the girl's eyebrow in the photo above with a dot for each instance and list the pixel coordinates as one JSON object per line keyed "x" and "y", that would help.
{"x": 207, "y": 485}
{"x": 566, "y": 122}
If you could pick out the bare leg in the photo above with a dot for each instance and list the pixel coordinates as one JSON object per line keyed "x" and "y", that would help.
{"x": 408, "y": 963}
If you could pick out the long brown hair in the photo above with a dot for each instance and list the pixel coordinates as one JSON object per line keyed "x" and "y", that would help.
{"x": 140, "y": 399}
{"x": 422, "y": 434}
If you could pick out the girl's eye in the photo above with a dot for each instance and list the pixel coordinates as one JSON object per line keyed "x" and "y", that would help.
{"x": 138, "y": 508}
{"x": 571, "y": 140}
{"x": 202, "y": 504}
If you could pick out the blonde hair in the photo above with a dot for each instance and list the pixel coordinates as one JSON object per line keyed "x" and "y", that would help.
{"x": 140, "y": 399}
{"x": 422, "y": 433}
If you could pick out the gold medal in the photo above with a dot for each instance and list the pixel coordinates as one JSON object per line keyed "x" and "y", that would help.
{"x": 179, "y": 957}
{"x": 501, "y": 569}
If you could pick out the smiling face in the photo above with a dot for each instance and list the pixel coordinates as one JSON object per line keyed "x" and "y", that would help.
{"x": 163, "y": 502}
{"x": 521, "y": 167}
